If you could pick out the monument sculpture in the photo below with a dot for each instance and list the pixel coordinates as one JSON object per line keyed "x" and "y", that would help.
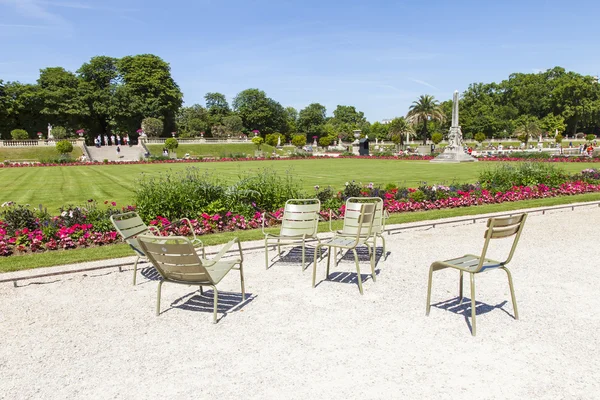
{"x": 454, "y": 151}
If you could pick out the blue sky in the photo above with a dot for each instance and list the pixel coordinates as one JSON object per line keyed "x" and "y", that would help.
{"x": 378, "y": 56}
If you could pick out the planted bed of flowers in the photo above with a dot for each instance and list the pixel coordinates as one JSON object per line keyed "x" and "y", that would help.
{"x": 244, "y": 205}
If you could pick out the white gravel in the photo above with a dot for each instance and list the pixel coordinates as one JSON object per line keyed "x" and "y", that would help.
{"x": 94, "y": 336}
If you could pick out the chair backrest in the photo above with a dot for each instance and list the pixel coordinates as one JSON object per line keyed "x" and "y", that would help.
{"x": 300, "y": 217}
{"x": 130, "y": 225}
{"x": 352, "y": 212}
{"x": 175, "y": 258}
{"x": 501, "y": 228}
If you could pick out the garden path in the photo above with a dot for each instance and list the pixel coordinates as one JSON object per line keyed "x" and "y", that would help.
{"x": 94, "y": 335}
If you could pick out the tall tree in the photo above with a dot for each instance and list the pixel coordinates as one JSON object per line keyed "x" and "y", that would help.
{"x": 150, "y": 89}
{"x": 59, "y": 92}
{"x": 217, "y": 106}
{"x": 259, "y": 112}
{"x": 98, "y": 80}
{"x": 421, "y": 111}
{"x": 311, "y": 120}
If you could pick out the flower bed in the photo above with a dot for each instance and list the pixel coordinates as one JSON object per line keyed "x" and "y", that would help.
{"x": 24, "y": 230}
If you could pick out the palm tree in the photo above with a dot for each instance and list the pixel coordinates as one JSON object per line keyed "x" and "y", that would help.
{"x": 423, "y": 110}
{"x": 399, "y": 129}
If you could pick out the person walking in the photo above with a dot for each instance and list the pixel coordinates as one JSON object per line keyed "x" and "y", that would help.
{"x": 118, "y": 139}
{"x": 106, "y": 140}
{"x": 118, "y": 151}
{"x": 125, "y": 139}
{"x": 112, "y": 139}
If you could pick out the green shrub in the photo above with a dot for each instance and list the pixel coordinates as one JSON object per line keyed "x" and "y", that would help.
{"x": 171, "y": 144}
{"x": 479, "y": 137}
{"x": 58, "y": 160}
{"x": 17, "y": 217}
{"x": 272, "y": 138}
{"x": 64, "y": 147}
{"x": 351, "y": 189}
{"x": 558, "y": 138}
{"x": 299, "y": 140}
{"x": 325, "y": 194}
{"x": 436, "y": 138}
{"x": 193, "y": 192}
{"x": 19, "y": 134}
{"x": 417, "y": 195}
{"x": 590, "y": 137}
{"x": 504, "y": 176}
{"x": 324, "y": 141}
{"x": 258, "y": 141}
{"x": 59, "y": 132}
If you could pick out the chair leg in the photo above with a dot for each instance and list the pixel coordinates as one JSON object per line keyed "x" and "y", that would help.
{"x": 328, "y": 262}
{"x": 460, "y": 288}
{"x": 158, "y": 297}
{"x": 266, "y": 254}
{"x": 428, "y": 307}
{"x": 216, "y": 302}
{"x": 279, "y": 247}
{"x": 201, "y": 290}
{"x": 373, "y": 262}
{"x": 242, "y": 282}
{"x": 512, "y": 292}
{"x": 314, "y": 278}
{"x": 360, "y": 288}
{"x": 473, "y": 305}
{"x": 135, "y": 269}
{"x": 383, "y": 241}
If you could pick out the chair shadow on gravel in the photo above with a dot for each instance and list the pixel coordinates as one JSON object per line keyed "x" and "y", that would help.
{"x": 293, "y": 255}
{"x": 150, "y": 273}
{"x": 347, "y": 263}
{"x": 227, "y": 302}
{"x": 455, "y": 306}
{"x": 364, "y": 256}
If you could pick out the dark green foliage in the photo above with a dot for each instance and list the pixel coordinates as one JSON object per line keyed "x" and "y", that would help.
{"x": 17, "y": 217}
{"x": 193, "y": 192}
{"x": 352, "y": 189}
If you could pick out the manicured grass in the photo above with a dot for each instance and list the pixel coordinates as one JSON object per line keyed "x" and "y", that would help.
{"x": 214, "y": 150}
{"x": 33, "y": 153}
{"x": 52, "y": 258}
{"x": 57, "y": 186}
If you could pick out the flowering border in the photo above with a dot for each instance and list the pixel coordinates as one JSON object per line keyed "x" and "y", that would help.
{"x": 85, "y": 235}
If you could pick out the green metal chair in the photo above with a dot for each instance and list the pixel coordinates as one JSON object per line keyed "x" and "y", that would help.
{"x": 497, "y": 228}
{"x": 176, "y": 260}
{"x": 350, "y": 220}
{"x": 129, "y": 225}
{"x": 299, "y": 222}
{"x": 364, "y": 217}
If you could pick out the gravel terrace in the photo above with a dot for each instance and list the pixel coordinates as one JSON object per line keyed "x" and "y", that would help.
{"x": 95, "y": 336}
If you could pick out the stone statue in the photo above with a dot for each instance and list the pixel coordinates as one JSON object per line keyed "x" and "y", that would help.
{"x": 50, "y": 136}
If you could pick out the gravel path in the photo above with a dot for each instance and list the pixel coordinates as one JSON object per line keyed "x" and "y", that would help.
{"x": 93, "y": 335}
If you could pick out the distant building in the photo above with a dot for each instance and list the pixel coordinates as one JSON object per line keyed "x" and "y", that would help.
{"x": 386, "y": 121}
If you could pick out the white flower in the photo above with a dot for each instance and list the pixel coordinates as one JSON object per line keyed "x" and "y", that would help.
{"x": 63, "y": 214}
{"x": 347, "y": 183}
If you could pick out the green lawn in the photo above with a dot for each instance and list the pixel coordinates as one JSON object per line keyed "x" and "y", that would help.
{"x": 33, "y": 153}
{"x": 56, "y": 186}
{"x": 214, "y": 150}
